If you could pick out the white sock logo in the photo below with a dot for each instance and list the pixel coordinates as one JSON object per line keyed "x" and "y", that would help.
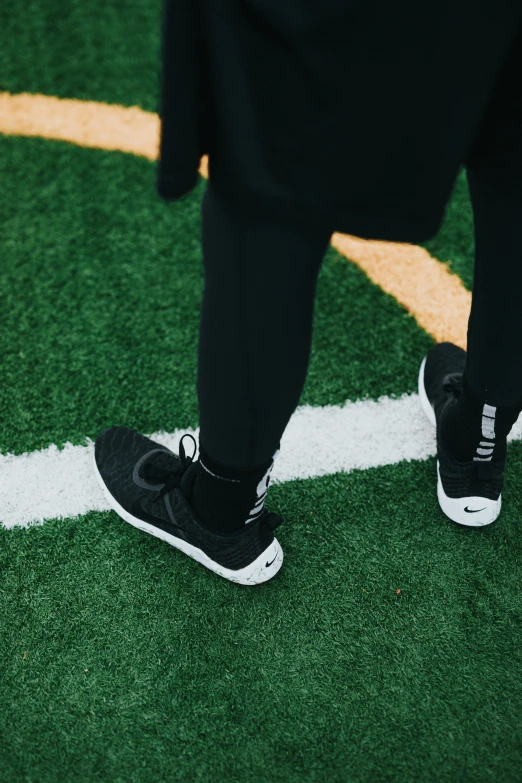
{"x": 486, "y": 446}
{"x": 261, "y": 492}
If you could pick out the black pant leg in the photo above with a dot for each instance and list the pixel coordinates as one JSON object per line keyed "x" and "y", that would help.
{"x": 494, "y": 361}
{"x": 255, "y": 329}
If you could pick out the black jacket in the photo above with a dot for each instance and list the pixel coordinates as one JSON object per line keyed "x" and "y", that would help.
{"x": 356, "y": 114}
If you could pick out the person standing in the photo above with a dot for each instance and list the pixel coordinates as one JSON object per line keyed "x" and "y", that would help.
{"x": 344, "y": 116}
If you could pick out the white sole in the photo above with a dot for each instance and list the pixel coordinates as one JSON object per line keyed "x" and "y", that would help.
{"x": 425, "y": 403}
{"x": 469, "y": 511}
{"x": 480, "y": 511}
{"x": 255, "y": 573}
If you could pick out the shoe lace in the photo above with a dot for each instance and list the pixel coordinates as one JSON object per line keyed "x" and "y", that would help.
{"x": 168, "y": 468}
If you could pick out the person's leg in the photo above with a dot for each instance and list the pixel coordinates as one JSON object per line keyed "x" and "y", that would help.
{"x": 255, "y": 336}
{"x": 254, "y": 347}
{"x": 494, "y": 355}
{"x": 474, "y": 398}
{"x": 491, "y": 395}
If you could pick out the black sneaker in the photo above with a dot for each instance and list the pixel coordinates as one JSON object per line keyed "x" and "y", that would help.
{"x": 149, "y": 486}
{"x": 469, "y": 492}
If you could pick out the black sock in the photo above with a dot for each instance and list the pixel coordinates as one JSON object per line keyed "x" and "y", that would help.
{"x": 473, "y": 429}
{"x": 227, "y": 498}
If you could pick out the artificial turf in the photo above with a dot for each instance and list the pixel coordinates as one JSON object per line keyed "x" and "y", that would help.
{"x": 87, "y": 49}
{"x": 123, "y": 660}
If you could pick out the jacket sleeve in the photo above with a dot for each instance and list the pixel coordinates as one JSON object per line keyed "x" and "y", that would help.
{"x": 181, "y": 101}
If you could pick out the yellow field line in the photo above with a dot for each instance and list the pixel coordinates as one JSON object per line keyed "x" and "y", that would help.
{"x": 434, "y": 296}
{"x": 427, "y": 288}
{"x": 86, "y": 123}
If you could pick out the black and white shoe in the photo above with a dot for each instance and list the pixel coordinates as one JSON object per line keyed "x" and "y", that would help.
{"x": 149, "y": 486}
{"x": 469, "y": 492}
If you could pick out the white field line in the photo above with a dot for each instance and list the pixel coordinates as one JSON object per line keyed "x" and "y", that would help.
{"x": 59, "y": 483}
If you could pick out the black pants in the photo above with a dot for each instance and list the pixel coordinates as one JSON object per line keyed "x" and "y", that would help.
{"x": 494, "y": 366}
{"x": 257, "y": 315}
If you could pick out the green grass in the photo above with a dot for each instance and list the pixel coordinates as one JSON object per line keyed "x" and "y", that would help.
{"x": 124, "y": 660}
{"x": 91, "y": 50}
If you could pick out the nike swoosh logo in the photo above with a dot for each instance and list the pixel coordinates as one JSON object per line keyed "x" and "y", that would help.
{"x": 474, "y": 510}
{"x": 269, "y": 564}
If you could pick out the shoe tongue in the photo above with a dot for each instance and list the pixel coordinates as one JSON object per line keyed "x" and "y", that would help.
{"x": 452, "y": 382}
{"x": 165, "y": 460}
